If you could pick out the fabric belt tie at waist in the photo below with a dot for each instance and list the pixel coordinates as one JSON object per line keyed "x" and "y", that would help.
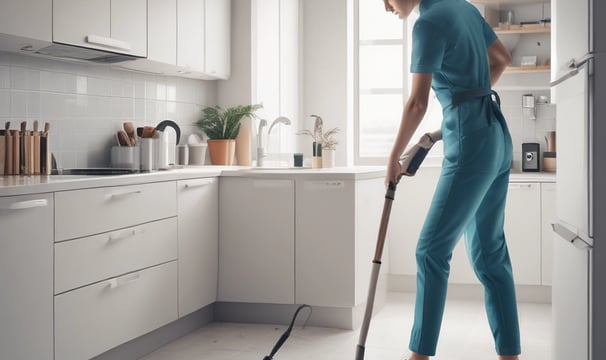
{"x": 472, "y": 94}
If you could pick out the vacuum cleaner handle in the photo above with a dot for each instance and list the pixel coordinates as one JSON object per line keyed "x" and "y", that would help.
{"x": 412, "y": 159}
{"x": 409, "y": 162}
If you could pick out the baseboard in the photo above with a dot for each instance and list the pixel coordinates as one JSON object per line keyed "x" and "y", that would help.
{"x": 346, "y": 317}
{"x": 525, "y": 293}
{"x": 149, "y": 342}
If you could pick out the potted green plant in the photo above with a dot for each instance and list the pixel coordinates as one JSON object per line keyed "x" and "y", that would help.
{"x": 222, "y": 127}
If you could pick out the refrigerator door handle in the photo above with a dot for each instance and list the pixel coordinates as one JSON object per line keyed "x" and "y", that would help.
{"x": 571, "y": 236}
{"x": 575, "y": 65}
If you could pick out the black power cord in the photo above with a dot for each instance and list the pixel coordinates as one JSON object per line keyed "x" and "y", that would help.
{"x": 286, "y": 334}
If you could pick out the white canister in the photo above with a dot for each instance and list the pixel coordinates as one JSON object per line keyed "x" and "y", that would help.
{"x": 147, "y": 154}
{"x": 197, "y": 154}
{"x": 162, "y": 150}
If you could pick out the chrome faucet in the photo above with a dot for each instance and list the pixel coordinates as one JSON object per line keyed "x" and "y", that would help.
{"x": 260, "y": 148}
{"x": 279, "y": 120}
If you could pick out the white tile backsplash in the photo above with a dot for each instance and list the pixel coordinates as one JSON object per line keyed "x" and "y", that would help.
{"x": 87, "y": 103}
{"x": 24, "y": 78}
{"x": 5, "y": 77}
{"x": 5, "y": 104}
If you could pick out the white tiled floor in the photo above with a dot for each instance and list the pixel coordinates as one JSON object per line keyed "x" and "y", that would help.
{"x": 465, "y": 336}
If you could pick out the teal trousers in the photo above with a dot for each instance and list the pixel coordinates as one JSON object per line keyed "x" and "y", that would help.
{"x": 470, "y": 200}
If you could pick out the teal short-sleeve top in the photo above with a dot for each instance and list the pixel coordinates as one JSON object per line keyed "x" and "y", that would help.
{"x": 450, "y": 41}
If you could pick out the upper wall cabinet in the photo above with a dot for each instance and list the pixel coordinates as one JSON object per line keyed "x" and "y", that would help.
{"x": 191, "y": 26}
{"x": 203, "y": 37}
{"x": 217, "y": 38}
{"x": 162, "y": 31}
{"x": 113, "y": 25}
{"x": 188, "y": 38}
{"x": 33, "y": 20}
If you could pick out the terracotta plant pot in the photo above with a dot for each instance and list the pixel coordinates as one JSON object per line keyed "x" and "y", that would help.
{"x": 222, "y": 151}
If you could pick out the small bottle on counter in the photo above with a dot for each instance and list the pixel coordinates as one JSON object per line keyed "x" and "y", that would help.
{"x": 316, "y": 160}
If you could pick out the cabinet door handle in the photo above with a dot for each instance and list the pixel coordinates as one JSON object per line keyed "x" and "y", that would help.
{"x": 519, "y": 186}
{"x": 123, "y": 235}
{"x": 123, "y": 280}
{"x": 124, "y": 194}
{"x": 271, "y": 184}
{"x": 108, "y": 42}
{"x": 28, "y": 204}
{"x": 324, "y": 185}
{"x": 198, "y": 184}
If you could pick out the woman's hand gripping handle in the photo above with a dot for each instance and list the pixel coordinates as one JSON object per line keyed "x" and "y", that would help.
{"x": 410, "y": 161}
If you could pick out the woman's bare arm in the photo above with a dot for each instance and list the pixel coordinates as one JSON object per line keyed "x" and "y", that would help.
{"x": 498, "y": 58}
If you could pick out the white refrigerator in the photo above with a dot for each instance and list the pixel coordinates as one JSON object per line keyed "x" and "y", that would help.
{"x": 578, "y": 66}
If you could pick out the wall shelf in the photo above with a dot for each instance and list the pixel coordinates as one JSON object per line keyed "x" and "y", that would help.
{"x": 524, "y": 29}
{"x": 527, "y": 69}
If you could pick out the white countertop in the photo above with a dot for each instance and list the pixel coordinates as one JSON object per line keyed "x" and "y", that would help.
{"x": 532, "y": 177}
{"x": 22, "y": 185}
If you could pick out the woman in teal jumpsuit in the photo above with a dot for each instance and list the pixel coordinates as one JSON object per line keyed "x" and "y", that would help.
{"x": 457, "y": 53}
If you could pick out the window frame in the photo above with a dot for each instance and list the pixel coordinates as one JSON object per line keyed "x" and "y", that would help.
{"x": 435, "y": 157}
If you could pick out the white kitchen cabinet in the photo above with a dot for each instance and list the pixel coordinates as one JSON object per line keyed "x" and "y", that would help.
{"x": 198, "y": 214}
{"x": 85, "y": 260}
{"x": 98, "y": 317}
{"x": 548, "y": 217}
{"x": 111, "y": 208}
{"x": 162, "y": 31}
{"x": 26, "y": 277}
{"x": 34, "y": 20}
{"x": 218, "y": 38}
{"x": 336, "y": 228}
{"x": 109, "y": 262}
{"x": 112, "y": 25}
{"x": 523, "y": 231}
{"x": 191, "y": 28}
{"x": 298, "y": 241}
{"x": 257, "y": 247}
{"x": 203, "y": 37}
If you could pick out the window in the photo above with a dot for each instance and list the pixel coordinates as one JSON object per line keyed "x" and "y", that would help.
{"x": 383, "y": 81}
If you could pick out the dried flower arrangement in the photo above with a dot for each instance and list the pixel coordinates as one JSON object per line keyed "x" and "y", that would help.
{"x": 327, "y": 139}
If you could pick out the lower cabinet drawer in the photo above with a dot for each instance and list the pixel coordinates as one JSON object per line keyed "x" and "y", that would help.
{"x": 101, "y": 316}
{"x": 113, "y": 207}
{"x": 87, "y": 260}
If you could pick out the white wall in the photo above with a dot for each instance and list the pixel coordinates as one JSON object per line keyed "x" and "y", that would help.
{"x": 327, "y": 84}
{"x": 265, "y": 69}
{"x": 86, "y": 104}
{"x": 238, "y": 88}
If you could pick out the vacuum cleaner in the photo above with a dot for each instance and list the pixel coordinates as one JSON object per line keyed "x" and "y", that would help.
{"x": 409, "y": 162}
